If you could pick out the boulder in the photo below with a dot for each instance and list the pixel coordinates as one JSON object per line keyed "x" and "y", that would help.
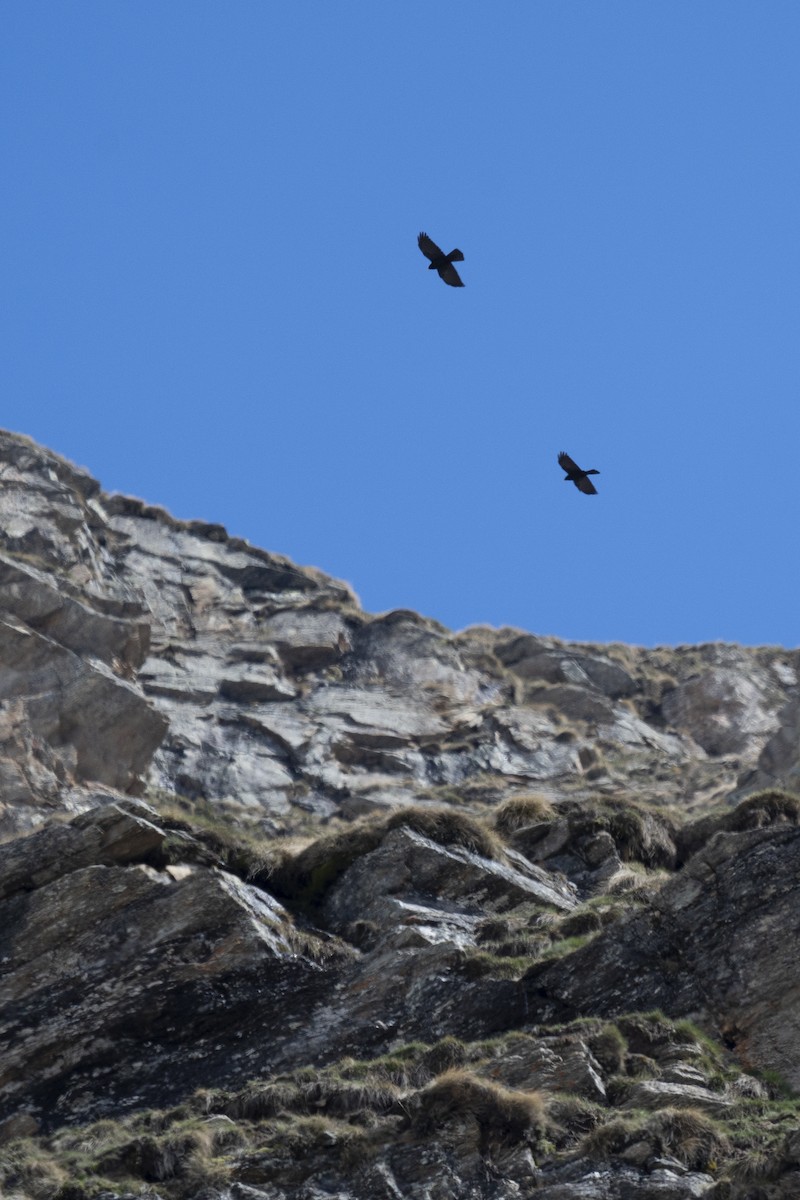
{"x": 99, "y": 725}
{"x": 409, "y": 878}
{"x": 532, "y": 658}
{"x": 307, "y": 639}
{"x": 126, "y": 984}
{"x": 723, "y": 711}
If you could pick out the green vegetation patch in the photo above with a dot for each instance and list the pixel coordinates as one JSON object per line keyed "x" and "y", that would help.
{"x": 283, "y": 1130}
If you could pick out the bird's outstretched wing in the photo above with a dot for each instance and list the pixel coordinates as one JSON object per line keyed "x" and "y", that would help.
{"x": 579, "y": 477}
{"x": 450, "y": 275}
{"x": 428, "y": 247}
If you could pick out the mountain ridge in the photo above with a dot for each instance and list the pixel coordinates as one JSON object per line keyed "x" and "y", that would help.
{"x": 258, "y": 843}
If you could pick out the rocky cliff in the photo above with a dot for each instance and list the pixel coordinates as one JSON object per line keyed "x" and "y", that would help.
{"x": 299, "y": 902}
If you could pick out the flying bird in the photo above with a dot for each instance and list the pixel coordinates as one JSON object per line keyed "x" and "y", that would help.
{"x": 441, "y": 262}
{"x": 580, "y": 478}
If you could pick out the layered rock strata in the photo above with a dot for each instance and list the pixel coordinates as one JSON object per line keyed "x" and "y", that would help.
{"x": 139, "y": 651}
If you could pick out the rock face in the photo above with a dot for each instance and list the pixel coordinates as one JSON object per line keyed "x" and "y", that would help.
{"x": 299, "y": 902}
{"x": 140, "y": 651}
{"x": 719, "y": 939}
{"x": 103, "y": 953}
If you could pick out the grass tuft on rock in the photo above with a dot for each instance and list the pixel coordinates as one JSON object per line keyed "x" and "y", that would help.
{"x": 771, "y": 806}
{"x": 448, "y": 827}
{"x": 684, "y": 1133}
{"x": 503, "y": 1116}
{"x": 306, "y": 875}
{"x": 609, "y": 1047}
{"x": 445, "y": 1098}
{"x": 640, "y": 834}
{"x": 518, "y": 811}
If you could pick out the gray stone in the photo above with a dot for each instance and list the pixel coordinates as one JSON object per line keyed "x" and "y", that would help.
{"x": 662, "y": 1093}
{"x": 553, "y": 1064}
{"x": 408, "y": 868}
{"x": 307, "y": 639}
{"x": 531, "y": 658}
{"x": 72, "y": 701}
{"x": 103, "y": 954}
{"x": 724, "y": 711}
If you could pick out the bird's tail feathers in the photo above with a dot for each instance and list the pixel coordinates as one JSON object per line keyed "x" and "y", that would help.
{"x": 455, "y": 256}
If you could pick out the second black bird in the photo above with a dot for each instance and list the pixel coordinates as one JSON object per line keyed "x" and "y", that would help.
{"x": 580, "y": 478}
{"x": 441, "y": 262}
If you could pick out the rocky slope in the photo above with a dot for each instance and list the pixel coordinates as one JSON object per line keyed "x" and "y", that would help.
{"x": 297, "y": 902}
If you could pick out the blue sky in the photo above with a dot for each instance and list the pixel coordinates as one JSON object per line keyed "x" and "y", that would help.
{"x": 212, "y": 295}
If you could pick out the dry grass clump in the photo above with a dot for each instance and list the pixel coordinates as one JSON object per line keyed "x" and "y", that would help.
{"x": 327, "y": 1093}
{"x": 402, "y": 1069}
{"x": 282, "y": 1131}
{"x": 444, "y": 1055}
{"x": 609, "y": 1047}
{"x": 306, "y": 875}
{"x": 561, "y": 947}
{"x": 612, "y": 1138}
{"x": 757, "y": 1166}
{"x": 412, "y": 1066}
{"x": 260, "y": 1101}
{"x": 519, "y": 811}
{"x": 110, "y": 1157}
{"x": 770, "y": 1160}
{"x": 772, "y": 806}
{"x": 504, "y": 937}
{"x": 636, "y": 884}
{"x": 200, "y": 831}
{"x": 768, "y": 807}
{"x": 26, "y": 1169}
{"x": 584, "y": 920}
{"x": 448, "y": 827}
{"x": 506, "y": 948}
{"x": 299, "y": 869}
{"x": 343, "y": 1098}
{"x": 639, "y": 834}
{"x": 690, "y": 1136}
{"x": 503, "y": 1116}
{"x": 480, "y": 964}
{"x": 185, "y": 1151}
{"x": 290, "y": 1150}
{"x": 686, "y": 1134}
{"x": 363, "y": 1088}
{"x": 494, "y": 929}
{"x": 572, "y": 1117}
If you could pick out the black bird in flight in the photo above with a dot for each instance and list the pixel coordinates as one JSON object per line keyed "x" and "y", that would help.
{"x": 580, "y": 478}
{"x": 443, "y": 263}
